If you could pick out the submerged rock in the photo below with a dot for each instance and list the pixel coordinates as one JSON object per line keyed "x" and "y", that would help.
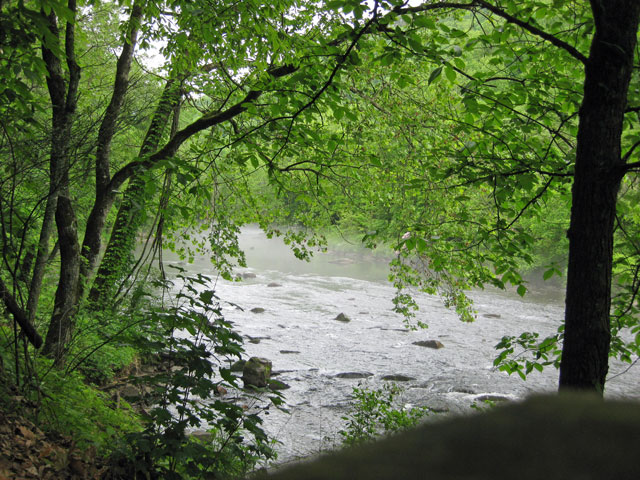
{"x": 247, "y": 275}
{"x": 273, "y": 285}
{"x": 429, "y": 344}
{"x": 354, "y": 375}
{"x": 256, "y": 340}
{"x": 492, "y": 315}
{"x": 342, "y": 261}
{"x": 342, "y": 318}
{"x": 289, "y": 352}
{"x": 256, "y": 372}
{"x": 397, "y": 378}
{"x": 257, "y": 310}
{"x": 277, "y": 385}
{"x": 237, "y": 366}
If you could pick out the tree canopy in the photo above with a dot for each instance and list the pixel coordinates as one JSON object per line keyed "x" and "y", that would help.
{"x": 477, "y": 138}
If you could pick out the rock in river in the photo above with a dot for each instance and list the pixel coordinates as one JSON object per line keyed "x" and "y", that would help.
{"x": 237, "y": 366}
{"x": 342, "y": 318}
{"x": 257, "y": 310}
{"x": 354, "y": 375}
{"x": 429, "y": 344}
{"x": 274, "y": 284}
{"x": 277, "y": 385}
{"x": 256, "y": 372}
{"x": 397, "y": 378}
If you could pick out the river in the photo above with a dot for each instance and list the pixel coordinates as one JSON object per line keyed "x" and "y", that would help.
{"x": 298, "y": 332}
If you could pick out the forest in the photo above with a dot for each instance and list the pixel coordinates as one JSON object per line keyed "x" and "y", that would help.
{"x": 484, "y": 142}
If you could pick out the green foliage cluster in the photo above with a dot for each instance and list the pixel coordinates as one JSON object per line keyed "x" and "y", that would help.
{"x": 200, "y": 345}
{"x": 376, "y": 412}
{"x": 177, "y": 357}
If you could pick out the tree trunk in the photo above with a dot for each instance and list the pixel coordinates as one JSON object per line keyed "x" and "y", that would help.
{"x": 585, "y": 353}
{"x": 61, "y": 325}
{"x": 104, "y": 191}
{"x": 131, "y": 213}
{"x": 64, "y": 96}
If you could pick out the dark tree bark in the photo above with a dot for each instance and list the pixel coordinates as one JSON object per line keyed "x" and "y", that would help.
{"x": 61, "y": 122}
{"x": 597, "y": 179}
{"x": 20, "y": 316}
{"x": 61, "y": 325}
{"x": 64, "y": 97}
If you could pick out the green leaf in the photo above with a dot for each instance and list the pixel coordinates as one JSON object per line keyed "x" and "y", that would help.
{"x": 450, "y": 73}
{"x": 435, "y": 74}
{"x": 522, "y": 290}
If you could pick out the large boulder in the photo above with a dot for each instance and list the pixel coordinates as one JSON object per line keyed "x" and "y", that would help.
{"x": 256, "y": 372}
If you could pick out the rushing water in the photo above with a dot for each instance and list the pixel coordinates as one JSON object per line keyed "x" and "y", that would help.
{"x": 298, "y": 332}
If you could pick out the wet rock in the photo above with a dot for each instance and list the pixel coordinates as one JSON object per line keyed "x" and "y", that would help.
{"x": 429, "y": 344}
{"x": 257, "y": 310}
{"x": 397, "y": 378}
{"x": 342, "y": 318}
{"x": 289, "y": 352}
{"x": 492, "y": 315}
{"x": 256, "y": 340}
{"x": 462, "y": 389}
{"x": 277, "y": 385}
{"x": 363, "y": 313}
{"x": 256, "y": 372}
{"x": 237, "y": 366}
{"x": 273, "y": 285}
{"x": 247, "y": 275}
{"x": 354, "y": 375}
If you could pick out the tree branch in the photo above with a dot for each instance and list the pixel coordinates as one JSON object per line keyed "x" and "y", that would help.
{"x": 20, "y": 316}
{"x": 571, "y": 50}
{"x": 204, "y": 122}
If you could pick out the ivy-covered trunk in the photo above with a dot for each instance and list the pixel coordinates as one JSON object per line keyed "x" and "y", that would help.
{"x": 598, "y": 172}
{"x": 130, "y": 215}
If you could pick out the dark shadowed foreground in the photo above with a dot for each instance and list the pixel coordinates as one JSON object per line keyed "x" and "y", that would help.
{"x": 562, "y": 437}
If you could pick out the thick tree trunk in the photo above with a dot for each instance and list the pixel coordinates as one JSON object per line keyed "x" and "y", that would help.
{"x": 61, "y": 325}
{"x": 64, "y": 96}
{"x": 585, "y": 353}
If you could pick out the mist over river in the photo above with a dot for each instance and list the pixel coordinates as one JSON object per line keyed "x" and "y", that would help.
{"x": 298, "y": 332}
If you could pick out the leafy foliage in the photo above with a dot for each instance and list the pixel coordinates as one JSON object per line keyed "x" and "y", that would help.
{"x": 198, "y": 345}
{"x": 376, "y": 412}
